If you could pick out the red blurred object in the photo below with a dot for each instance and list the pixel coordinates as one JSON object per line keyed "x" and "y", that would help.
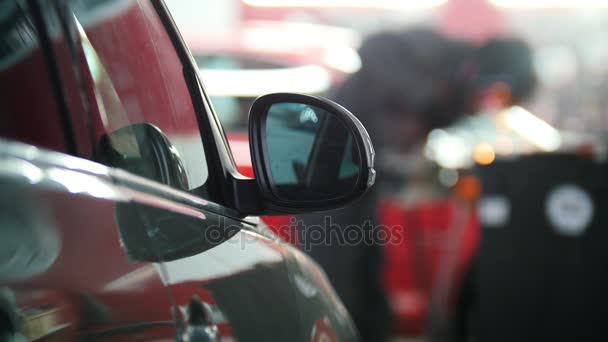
{"x": 472, "y": 20}
{"x": 440, "y": 237}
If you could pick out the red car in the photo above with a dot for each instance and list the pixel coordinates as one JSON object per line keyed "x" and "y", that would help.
{"x": 123, "y": 216}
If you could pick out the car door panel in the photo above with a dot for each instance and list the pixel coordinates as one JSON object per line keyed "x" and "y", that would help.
{"x": 63, "y": 267}
{"x": 76, "y": 265}
{"x": 247, "y": 283}
{"x": 259, "y": 288}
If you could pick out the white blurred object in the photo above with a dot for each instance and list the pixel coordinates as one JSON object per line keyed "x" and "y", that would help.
{"x": 381, "y": 4}
{"x": 532, "y": 128}
{"x": 483, "y": 138}
{"x": 448, "y": 177}
{"x": 311, "y": 79}
{"x": 570, "y": 209}
{"x": 556, "y": 66}
{"x": 450, "y": 151}
{"x": 494, "y": 211}
{"x": 344, "y": 59}
{"x": 205, "y": 15}
{"x": 275, "y": 34}
{"x": 542, "y": 4}
{"x": 284, "y": 44}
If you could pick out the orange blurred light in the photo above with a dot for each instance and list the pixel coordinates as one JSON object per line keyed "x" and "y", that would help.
{"x": 468, "y": 188}
{"x": 484, "y": 154}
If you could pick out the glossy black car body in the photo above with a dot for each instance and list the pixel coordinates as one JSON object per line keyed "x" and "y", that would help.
{"x": 94, "y": 252}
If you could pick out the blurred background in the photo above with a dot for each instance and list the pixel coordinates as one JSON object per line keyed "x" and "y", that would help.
{"x": 246, "y": 48}
{"x": 312, "y": 44}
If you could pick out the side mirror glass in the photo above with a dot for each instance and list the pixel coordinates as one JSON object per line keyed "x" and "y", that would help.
{"x": 309, "y": 152}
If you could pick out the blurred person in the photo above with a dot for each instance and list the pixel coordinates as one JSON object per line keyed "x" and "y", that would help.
{"x": 505, "y": 77}
{"x": 394, "y": 95}
{"x": 410, "y": 82}
{"x": 506, "y": 74}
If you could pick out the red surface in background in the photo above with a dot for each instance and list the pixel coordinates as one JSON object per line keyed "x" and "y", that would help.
{"x": 472, "y": 20}
{"x": 440, "y": 237}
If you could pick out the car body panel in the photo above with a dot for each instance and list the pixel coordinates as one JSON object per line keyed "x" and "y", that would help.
{"x": 64, "y": 255}
{"x": 73, "y": 262}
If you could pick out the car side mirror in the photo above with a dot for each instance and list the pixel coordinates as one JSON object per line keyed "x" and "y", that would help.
{"x": 144, "y": 150}
{"x": 309, "y": 153}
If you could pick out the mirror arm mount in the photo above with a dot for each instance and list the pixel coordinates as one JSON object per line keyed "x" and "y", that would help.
{"x": 247, "y": 199}
{"x": 246, "y": 196}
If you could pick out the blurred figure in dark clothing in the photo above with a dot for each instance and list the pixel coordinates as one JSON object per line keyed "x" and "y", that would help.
{"x": 403, "y": 76}
{"x": 410, "y": 82}
{"x": 505, "y": 71}
{"x": 506, "y": 78}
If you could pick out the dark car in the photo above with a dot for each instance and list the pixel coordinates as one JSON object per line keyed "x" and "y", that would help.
{"x": 122, "y": 214}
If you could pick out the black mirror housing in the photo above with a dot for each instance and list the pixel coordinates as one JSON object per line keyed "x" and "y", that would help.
{"x": 309, "y": 154}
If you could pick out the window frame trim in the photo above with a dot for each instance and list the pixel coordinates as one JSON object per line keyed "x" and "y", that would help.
{"x": 53, "y": 72}
{"x": 222, "y": 169}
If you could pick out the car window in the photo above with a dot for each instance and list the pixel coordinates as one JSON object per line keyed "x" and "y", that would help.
{"x": 139, "y": 78}
{"x": 24, "y": 76}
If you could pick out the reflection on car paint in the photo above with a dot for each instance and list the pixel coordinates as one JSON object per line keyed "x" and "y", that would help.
{"x": 252, "y": 252}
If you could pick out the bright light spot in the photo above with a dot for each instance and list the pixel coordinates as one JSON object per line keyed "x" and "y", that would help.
{"x": 85, "y": 165}
{"x": 32, "y": 172}
{"x": 448, "y": 177}
{"x": 448, "y": 150}
{"x": 345, "y": 59}
{"x": 21, "y": 168}
{"x": 382, "y": 4}
{"x": 532, "y": 128}
{"x": 484, "y": 154}
{"x": 79, "y": 183}
{"x": 310, "y": 79}
{"x": 533, "y": 4}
